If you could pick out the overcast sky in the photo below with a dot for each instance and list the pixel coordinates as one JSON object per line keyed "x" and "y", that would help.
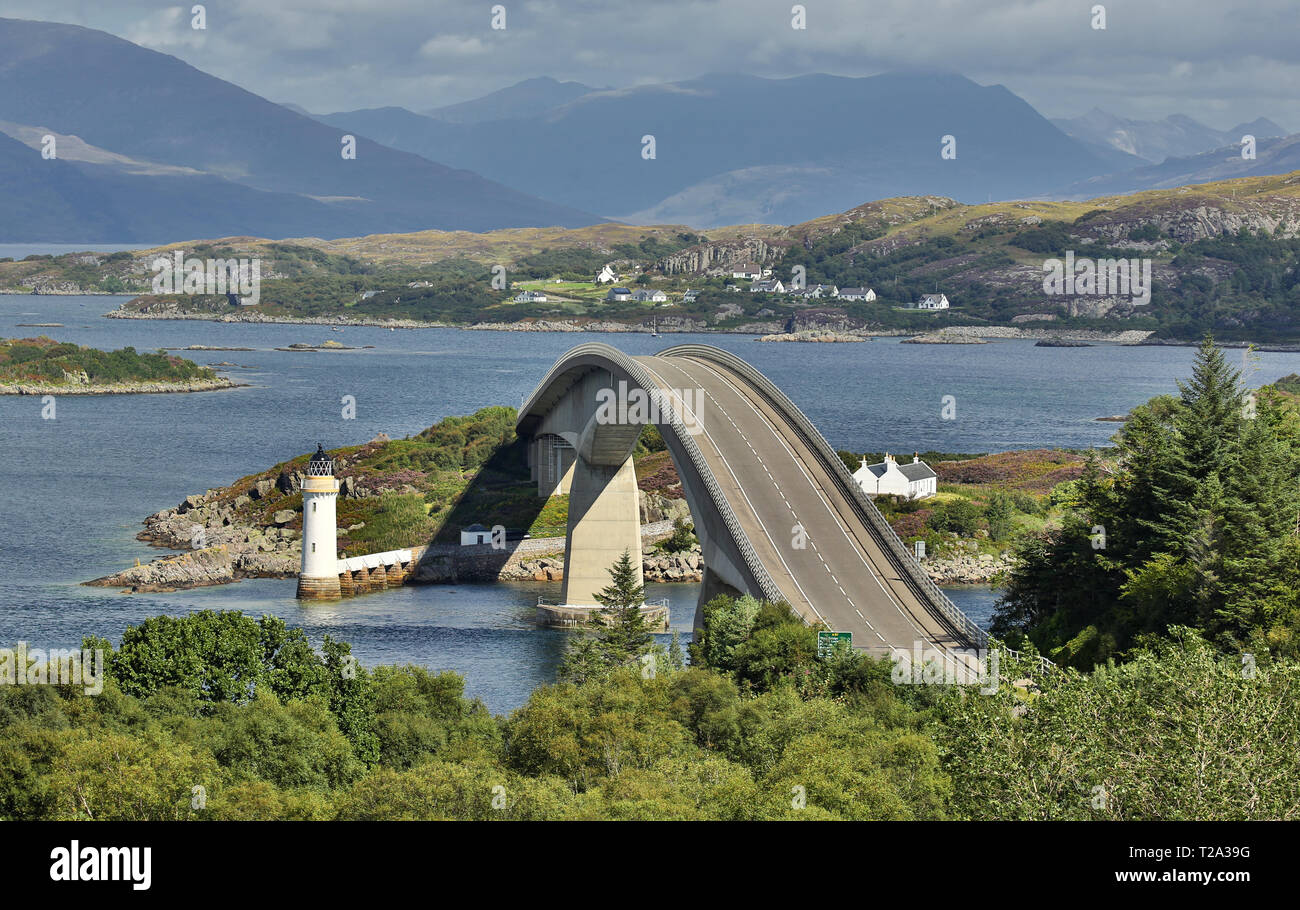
{"x": 1155, "y": 57}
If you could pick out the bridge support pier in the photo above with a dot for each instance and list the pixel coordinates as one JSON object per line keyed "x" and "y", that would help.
{"x": 711, "y": 587}
{"x": 604, "y": 521}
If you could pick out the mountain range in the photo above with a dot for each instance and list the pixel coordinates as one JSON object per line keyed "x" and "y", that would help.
{"x": 1176, "y": 136}
{"x": 150, "y": 148}
{"x": 732, "y": 148}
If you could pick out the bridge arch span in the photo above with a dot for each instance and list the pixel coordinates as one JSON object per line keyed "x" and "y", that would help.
{"x": 604, "y": 517}
{"x": 777, "y": 512}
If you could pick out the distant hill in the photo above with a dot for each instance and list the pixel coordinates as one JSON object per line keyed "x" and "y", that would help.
{"x": 258, "y": 167}
{"x": 1223, "y": 256}
{"x": 523, "y": 99}
{"x": 742, "y": 148}
{"x": 1176, "y": 136}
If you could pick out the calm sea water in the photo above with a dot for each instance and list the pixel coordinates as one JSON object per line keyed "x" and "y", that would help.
{"x": 76, "y": 488}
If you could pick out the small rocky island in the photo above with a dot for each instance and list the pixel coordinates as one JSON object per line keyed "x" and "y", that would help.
{"x": 813, "y": 335}
{"x": 944, "y": 338}
{"x": 43, "y": 366}
{"x": 298, "y": 347}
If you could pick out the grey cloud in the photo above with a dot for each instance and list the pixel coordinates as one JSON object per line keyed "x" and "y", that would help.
{"x": 1156, "y": 57}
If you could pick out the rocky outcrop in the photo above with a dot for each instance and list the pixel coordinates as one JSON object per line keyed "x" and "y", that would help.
{"x": 656, "y": 507}
{"x": 967, "y": 567}
{"x": 720, "y": 256}
{"x": 217, "y": 565}
{"x": 656, "y": 566}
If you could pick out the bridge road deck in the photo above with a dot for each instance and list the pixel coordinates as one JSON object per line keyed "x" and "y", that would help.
{"x": 775, "y": 485}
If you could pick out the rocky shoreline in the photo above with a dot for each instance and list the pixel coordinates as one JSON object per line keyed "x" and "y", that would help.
{"x": 772, "y": 331}
{"x": 967, "y": 568}
{"x": 219, "y": 548}
{"x": 118, "y": 388}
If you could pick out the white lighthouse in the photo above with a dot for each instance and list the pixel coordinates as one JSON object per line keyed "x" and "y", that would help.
{"x": 319, "y": 578}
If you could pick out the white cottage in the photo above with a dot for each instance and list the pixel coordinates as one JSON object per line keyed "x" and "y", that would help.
{"x": 607, "y": 275}
{"x": 856, "y": 294}
{"x": 475, "y": 535}
{"x": 915, "y": 481}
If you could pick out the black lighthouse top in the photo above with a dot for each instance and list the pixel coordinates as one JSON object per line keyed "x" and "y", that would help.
{"x": 321, "y": 464}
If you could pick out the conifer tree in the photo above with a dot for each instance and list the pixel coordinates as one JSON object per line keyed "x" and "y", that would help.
{"x": 624, "y": 635}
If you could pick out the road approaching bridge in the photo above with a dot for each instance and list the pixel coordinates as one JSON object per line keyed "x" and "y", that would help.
{"x": 777, "y": 513}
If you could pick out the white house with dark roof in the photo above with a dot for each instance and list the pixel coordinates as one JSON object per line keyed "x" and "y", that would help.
{"x": 932, "y": 302}
{"x": 619, "y": 294}
{"x": 767, "y": 287}
{"x": 642, "y": 295}
{"x": 856, "y": 294}
{"x": 915, "y": 481}
{"x": 749, "y": 270}
{"x": 530, "y": 297}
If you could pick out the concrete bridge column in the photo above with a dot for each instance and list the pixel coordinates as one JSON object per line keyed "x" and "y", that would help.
{"x": 712, "y": 587}
{"x": 604, "y": 520}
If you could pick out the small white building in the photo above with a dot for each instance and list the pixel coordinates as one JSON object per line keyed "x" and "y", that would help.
{"x": 530, "y": 297}
{"x": 915, "y": 481}
{"x": 641, "y": 295}
{"x": 767, "y": 287}
{"x": 619, "y": 294}
{"x": 932, "y": 302}
{"x": 475, "y": 534}
{"x": 856, "y": 294}
{"x": 690, "y": 295}
{"x": 607, "y": 275}
{"x": 749, "y": 270}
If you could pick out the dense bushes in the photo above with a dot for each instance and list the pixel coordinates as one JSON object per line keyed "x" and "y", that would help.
{"x": 45, "y": 360}
{"x": 757, "y": 728}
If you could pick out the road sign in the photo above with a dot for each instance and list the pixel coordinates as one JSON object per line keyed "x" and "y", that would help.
{"x": 827, "y": 642}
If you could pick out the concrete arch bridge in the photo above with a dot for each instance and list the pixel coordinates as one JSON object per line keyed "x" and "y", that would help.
{"x": 777, "y": 513}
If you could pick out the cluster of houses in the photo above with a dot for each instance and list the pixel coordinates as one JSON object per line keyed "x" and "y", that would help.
{"x": 640, "y": 295}
{"x": 761, "y": 280}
